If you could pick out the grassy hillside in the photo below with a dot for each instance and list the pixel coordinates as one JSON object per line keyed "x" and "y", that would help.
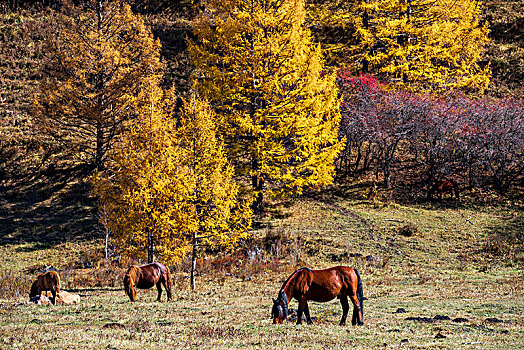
{"x": 446, "y": 264}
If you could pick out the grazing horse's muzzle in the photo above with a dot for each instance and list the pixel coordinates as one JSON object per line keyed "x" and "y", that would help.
{"x": 279, "y": 311}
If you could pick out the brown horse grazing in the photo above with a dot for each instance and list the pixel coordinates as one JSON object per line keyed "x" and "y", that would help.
{"x": 321, "y": 286}
{"x": 444, "y": 186}
{"x": 145, "y": 277}
{"x": 46, "y": 281}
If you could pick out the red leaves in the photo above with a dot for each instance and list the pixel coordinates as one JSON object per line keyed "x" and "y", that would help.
{"x": 478, "y": 139}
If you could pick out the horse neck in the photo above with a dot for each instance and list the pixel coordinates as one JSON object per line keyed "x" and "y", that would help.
{"x": 34, "y": 289}
{"x": 289, "y": 286}
{"x": 287, "y": 292}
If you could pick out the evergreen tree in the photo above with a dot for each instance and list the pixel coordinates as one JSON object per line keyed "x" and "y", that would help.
{"x": 278, "y": 109}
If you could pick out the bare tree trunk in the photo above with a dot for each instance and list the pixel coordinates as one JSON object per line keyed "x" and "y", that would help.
{"x": 193, "y": 261}
{"x": 257, "y": 183}
{"x": 150, "y": 246}
{"x": 106, "y": 248}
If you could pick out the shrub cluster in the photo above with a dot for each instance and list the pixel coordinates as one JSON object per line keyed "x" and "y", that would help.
{"x": 480, "y": 142}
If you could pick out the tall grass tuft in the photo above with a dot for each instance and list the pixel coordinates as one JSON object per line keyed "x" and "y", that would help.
{"x": 14, "y": 286}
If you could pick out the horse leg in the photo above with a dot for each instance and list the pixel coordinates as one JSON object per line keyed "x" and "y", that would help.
{"x": 303, "y": 307}
{"x": 356, "y": 310}
{"x": 167, "y": 285}
{"x": 345, "y": 309}
{"x": 159, "y": 288}
{"x": 53, "y": 292}
{"x": 302, "y": 304}
{"x": 299, "y": 314}
{"x": 306, "y": 312}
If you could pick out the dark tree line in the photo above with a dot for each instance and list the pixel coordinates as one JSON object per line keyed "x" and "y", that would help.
{"x": 140, "y": 6}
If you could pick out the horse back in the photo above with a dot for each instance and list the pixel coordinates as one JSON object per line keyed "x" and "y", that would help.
{"x": 324, "y": 285}
{"x": 149, "y": 275}
{"x": 340, "y": 279}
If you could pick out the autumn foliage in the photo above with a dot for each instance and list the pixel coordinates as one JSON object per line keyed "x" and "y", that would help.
{"x": 263, "y": 115}
{"x": 97, "y": 59}
{"x": 277, "y": 108}
{"x": 416, "y": 45}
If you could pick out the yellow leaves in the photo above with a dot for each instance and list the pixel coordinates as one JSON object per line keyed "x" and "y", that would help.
{"x": 170, "y": 181}
{"x": 424, "y": 45}
{"x": 277, "y": 109}
{"x": 97, "y": 61}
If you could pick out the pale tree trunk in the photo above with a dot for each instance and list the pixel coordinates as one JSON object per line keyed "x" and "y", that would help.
{"x": 107, "y": 249}
{"x": 150, "y": 246}
{"x": 193, "y": 261}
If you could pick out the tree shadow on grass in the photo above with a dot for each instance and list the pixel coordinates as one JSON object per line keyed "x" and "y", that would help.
{"x": 506, "y": 240}
{"x": 47, "y": 208}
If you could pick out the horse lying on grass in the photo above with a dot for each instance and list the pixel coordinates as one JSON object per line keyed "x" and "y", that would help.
{"x": 321, "y": 286}
{"x": 48, "y": 281}
{"x": 145, "y": 277}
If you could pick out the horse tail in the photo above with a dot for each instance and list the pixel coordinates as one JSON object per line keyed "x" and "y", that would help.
{"x": 169, "y": 282}
{"x": 168, "y": 276}
{"x": 57, "y": 277}
{"x": 360, "y": 293}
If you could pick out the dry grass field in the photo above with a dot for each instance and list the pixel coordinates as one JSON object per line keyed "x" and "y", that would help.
{"x": 441, "y": 275}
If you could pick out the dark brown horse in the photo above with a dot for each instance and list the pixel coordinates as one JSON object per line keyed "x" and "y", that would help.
{"x": 145, "y": 277}
{"x": 443, "y": 186}
{"x": 321, "y": 286}
{"x": 46, "y": 281}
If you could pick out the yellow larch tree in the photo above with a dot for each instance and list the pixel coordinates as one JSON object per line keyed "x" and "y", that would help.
{"x": 333, "y": 24}
{"x": 278, "y": 110}
{"x": 167, "y": 189}
{"x": 143, "y": 188}
{"x": 100, "y": 54}
{"x": 424, "y": 45}
{"x": 216, "y": 217}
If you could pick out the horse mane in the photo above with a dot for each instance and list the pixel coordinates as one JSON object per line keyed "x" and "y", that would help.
{"x": 133, "y": 272}
{"x": 292, "y": 275}
{"x": 130, "y": 280}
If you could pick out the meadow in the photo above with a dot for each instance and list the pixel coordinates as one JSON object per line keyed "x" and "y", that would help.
{"x": 436, "y": 275}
